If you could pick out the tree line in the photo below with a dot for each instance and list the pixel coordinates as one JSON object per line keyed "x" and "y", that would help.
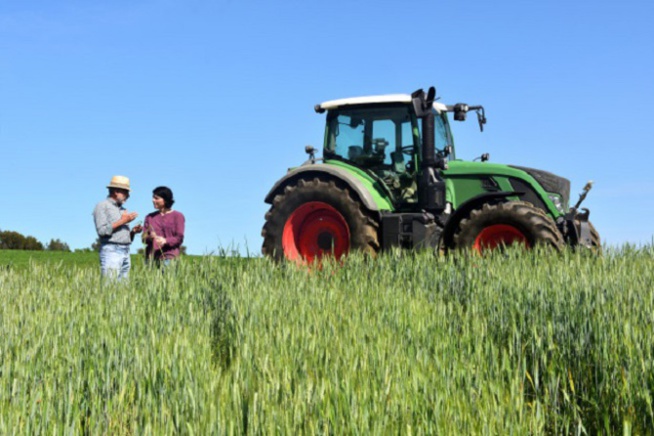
{"x": 10, "y": 240}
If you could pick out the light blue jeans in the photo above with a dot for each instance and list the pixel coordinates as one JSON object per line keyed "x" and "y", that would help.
{"x": 114, "y": 261}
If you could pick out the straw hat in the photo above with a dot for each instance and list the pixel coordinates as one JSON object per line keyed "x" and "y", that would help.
{"x": 120, "y": 182}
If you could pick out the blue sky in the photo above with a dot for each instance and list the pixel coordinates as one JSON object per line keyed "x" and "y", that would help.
{"x": 215, "y": 100}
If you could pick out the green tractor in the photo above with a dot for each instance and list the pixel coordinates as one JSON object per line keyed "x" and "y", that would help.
{"x": 389, "y": 177}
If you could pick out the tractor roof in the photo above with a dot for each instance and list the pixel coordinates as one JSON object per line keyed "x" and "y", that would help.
{"x": 373, "y": 99}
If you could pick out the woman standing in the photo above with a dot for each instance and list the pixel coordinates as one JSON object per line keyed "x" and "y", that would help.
{"x": 163, "y": 230}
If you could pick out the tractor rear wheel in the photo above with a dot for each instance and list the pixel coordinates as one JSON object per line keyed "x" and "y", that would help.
{"x": 316, "y": 218}
{"x": 514, "y": 222}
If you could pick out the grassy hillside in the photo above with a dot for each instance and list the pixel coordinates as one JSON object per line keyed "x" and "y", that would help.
{"x": 513, "y": 343}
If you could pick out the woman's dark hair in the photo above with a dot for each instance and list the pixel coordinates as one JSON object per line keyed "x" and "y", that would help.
{"x": 165, "y": 193}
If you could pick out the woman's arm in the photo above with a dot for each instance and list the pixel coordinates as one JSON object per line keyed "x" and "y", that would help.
{"x": 147, "y": 236}
{"x": 177, "y": 237}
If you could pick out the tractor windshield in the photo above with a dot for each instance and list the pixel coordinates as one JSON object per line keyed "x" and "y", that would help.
{"x": 443, "y": 134}
{"x": 374, "y": 137}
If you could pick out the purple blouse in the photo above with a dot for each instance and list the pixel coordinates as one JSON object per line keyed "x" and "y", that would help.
{"x": 169, "y": 226}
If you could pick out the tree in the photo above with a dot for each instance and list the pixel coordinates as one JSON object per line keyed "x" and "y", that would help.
{"x": 31, "y": 243}
{"x": 57, "y": 245}
{"x": 10, "y": 240}
{"x": 96, "y": 245}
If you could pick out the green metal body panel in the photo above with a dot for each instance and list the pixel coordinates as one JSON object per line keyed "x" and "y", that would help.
{"x": 463, "y": 182}
{"x": 379, "y": 192}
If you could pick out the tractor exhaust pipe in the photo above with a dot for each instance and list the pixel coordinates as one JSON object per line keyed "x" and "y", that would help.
{"x": 428, "y": 145}
{"x": 431, "y": 187}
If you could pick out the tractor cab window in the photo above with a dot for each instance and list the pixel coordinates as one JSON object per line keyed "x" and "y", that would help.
{"x": 380, "y": 139}
{"x": 443, "y": 135}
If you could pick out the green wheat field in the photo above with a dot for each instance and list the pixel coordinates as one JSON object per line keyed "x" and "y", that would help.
{"x": 408, "y": 343}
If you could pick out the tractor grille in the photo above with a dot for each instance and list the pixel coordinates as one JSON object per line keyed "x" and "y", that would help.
{"x": 550, "y": 182}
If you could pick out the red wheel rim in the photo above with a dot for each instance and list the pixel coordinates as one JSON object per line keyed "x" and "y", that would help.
{"x": 498, "y": 235}
{"x": 314, "y": 230}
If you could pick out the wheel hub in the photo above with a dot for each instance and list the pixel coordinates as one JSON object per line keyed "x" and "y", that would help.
{"x": 498, "y": 235}
{"x": 314, "y": 230}
{"x": 325, "y": 241}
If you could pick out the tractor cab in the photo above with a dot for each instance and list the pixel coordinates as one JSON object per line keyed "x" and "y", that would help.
{"x": 382, "y": 136}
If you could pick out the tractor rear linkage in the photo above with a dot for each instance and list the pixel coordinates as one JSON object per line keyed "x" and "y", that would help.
{"x": 575, "y": 225}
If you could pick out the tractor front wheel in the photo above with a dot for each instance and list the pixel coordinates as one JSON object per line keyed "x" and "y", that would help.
{"x": 503, "y": 224}
{"x": 595, "y": 240}
{"x": 316, "y": 218}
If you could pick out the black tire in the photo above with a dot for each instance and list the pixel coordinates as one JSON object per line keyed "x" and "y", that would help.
{"x": 596, "y": 241}
{"x": 361, "y": 233}
{"x": 504, "y": 223}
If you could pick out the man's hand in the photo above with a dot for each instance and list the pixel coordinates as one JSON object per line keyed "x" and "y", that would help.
{"x": 136, "y": 229}
{"x": 160, "y": 240}
{"x": 128, "y": 217}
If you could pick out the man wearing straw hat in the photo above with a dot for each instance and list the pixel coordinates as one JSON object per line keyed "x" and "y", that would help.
{"x": 111, "y": 223}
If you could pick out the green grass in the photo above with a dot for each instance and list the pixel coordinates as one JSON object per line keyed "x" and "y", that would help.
{"x": 20, "y": 259}
{"x": 521, "y": 343}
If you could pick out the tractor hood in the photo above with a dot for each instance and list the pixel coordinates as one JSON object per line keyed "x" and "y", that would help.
{"x": 550, "y": 182}
{"x": 541, "y": 186}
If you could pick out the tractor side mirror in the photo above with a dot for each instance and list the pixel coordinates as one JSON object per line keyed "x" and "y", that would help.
{"x": 481, "y": 117}
{"x": 460, "y": 111}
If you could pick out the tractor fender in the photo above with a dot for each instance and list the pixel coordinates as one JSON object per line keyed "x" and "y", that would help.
{"x": 465, "y": 209}
{"x": 309, "y": 171}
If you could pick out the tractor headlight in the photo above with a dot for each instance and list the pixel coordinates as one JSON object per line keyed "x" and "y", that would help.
{"x": 558, "y": 203}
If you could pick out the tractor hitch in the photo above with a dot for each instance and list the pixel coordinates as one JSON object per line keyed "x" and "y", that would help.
{"x": 583, "y": 194}
{"x": 576, "y": 226}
